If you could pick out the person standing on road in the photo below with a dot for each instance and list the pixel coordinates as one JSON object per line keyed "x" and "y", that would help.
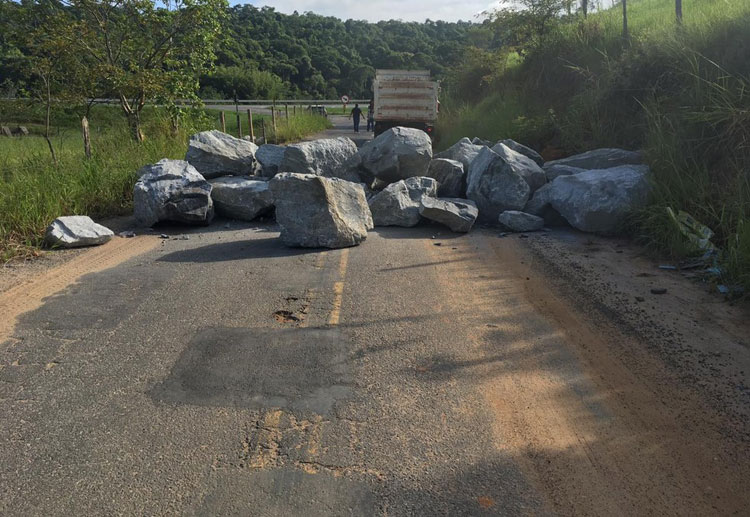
{"x": 356, "y": 114}
{"x": 371, "y": 117}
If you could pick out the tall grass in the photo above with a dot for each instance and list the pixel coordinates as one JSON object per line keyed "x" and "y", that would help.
{"x": 34, "y": 191}
{"x": 681, "y": 93}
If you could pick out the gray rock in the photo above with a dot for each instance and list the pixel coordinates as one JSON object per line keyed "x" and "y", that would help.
{"x": 601, "y": 159}
{"x": 596, "y": 200}
{"x": 325, "y": 157}
{"x": 457, "y": 214}
{"x": 5, "y": 131}
{"x": 552, "y": 170}
{"x": 215, "y": 154}
{"x": 75, "y": 231}
{"x": 480, "y": 142}
{"x": 495, "y": 185}
{"x": 397, "y": 154}
{"x": 462, "y": 151}
{"x": 520, "y": 221}
{"x": 399, "y": 203}
{"x": 525, "y": 166}
{"x": 241, "y": 198}
{"x": 269, "y": 157}
{"x": 318, "y": 212}
{"x": 172, "y": 190}
{"x": 524, "y": 150}
{"x": 449, "y": 175}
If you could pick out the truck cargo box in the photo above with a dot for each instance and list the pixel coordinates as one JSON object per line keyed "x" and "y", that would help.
{"x": 405, "y": 98}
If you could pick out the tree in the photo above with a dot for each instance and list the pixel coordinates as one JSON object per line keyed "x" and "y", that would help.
{"x": 678, "y": 10}
{"x": 585, "y": 7}
{"x": 526, "y": 24}
{"x": 144, "y": 50}
{"x": 625, "y": 33}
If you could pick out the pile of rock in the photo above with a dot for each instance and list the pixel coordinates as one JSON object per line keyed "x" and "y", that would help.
{"x": 328, "y": 193}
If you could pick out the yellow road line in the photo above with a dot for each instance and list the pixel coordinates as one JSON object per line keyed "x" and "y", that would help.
{"x": 338, "y": 289}
{"x": 338, "y": 294}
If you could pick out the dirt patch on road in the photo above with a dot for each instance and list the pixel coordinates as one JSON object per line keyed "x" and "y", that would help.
{"x": 35, "y": 282}
{"x": 612, "y": 407}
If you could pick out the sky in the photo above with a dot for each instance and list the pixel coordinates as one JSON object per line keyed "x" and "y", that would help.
{"x": 376, "y": 10}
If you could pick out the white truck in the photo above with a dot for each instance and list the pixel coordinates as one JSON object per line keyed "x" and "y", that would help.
{"x": 405, "y": 98}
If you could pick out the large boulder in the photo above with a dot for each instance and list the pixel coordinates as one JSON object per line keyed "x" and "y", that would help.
{"x": 495, "y": 185}
{"x": 241, "y": 198}
{"x": 457, "y": 214}
{"x": 524, "y": 150}
{"x": 601, "y": 159}
{"x": 318, "y": 212}
{"x": 269, "y": 157}
{"x": 553, "y": 170}
{"x": 398, "y": 204}
{"x": 397, "y": 154}
{"x": 463, "y": 151}
{"x": 325, "y": 157}
{"x": 172, "y": 190}
{"x": 75, "y": 231}
{"x": 480, "y": 142}
{"x": 215, "y": 154}
{"x": 525, "y": 166}
{"x": 449, "y": 175}
{"x": 521, "y": 221}
{"x": 596, "y": 200}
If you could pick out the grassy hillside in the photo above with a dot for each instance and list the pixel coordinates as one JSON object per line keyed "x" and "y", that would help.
{"x": 682, "y": 93}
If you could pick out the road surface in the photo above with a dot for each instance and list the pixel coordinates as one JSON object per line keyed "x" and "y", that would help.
{"x": 422, "y": 373}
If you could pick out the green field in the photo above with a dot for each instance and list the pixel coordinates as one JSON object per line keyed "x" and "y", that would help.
{"x": 33, "y": 191}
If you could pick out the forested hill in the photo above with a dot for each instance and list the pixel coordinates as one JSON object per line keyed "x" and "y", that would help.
{"x": 265, "y": 53}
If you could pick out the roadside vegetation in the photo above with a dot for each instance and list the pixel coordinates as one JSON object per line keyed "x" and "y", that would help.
{"x": 34, "y": 191}
{"x": 680, "y": 91}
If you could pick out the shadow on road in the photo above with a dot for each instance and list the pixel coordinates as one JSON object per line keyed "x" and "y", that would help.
{"x": 237, "y": 250}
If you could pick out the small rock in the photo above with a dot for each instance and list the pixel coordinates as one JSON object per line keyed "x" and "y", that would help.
{"x": 164, "y": 236}
{"x": 520, "y": 221}
{"x": 75, "y": 231}
{"x": 128, "y": 234}
{"x": 658, "y": 290}
{"x": 640, "y": 299}
{"x": 457, "y": 214}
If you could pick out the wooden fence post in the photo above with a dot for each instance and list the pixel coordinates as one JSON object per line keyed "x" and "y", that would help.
{"x": 286, "y": 107}
{"x": 294, "y": 110}
{"x": 263, "y": 129}
{"x": 273, "y": 117}
{"x": 86, "y": 137}
{"x": 223, "y": 122}
{"x": 250, "y": 124}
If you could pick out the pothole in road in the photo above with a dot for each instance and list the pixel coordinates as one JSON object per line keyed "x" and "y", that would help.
{"x": 286, "y": 317}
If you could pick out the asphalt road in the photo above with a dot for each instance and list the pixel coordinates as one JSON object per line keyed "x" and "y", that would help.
{"x": 421, "y": 373}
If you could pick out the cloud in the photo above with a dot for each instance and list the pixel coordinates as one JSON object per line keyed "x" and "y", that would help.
{"x": 376, "y": 10}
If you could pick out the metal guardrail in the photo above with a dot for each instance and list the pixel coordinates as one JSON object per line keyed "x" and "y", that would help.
{"x": 242, "y": 102}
